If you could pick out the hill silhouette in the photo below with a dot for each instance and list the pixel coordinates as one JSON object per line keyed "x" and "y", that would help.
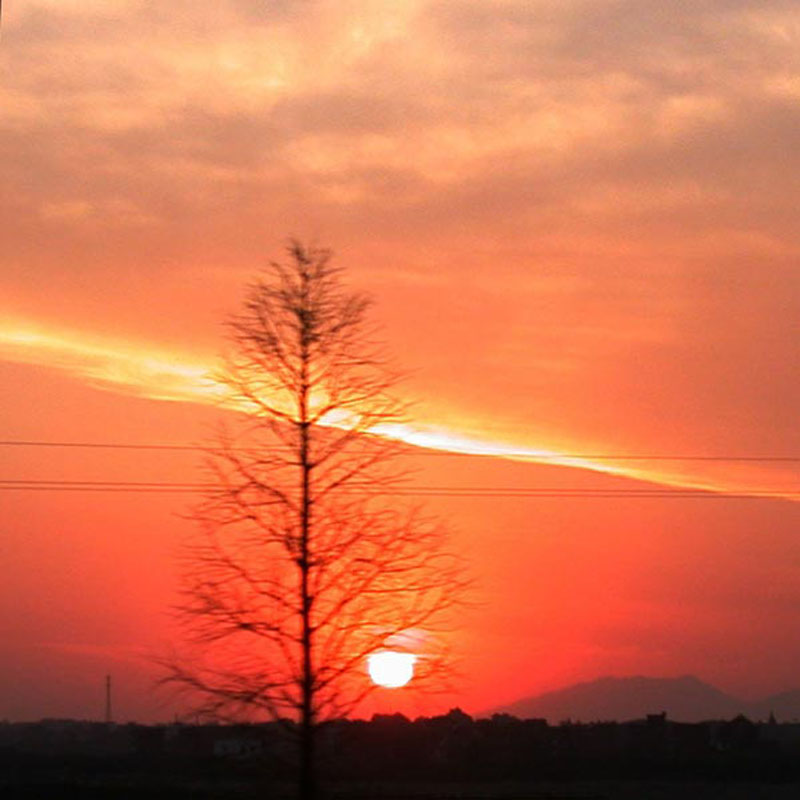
{"x": 785, "y": 706}
{"x": 685, "y": 699}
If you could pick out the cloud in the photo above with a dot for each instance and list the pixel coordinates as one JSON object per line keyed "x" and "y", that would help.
{"x": 134, "y": 370}
{"x": 578, "y": 217}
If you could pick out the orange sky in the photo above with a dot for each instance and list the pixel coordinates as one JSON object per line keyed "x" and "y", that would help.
{"x": 578, "y": 222}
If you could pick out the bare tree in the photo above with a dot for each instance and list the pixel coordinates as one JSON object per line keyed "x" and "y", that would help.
{"x": 305, "y": 564}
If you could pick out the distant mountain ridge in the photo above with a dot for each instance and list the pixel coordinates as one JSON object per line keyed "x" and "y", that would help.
{"x": 684, "y": 699}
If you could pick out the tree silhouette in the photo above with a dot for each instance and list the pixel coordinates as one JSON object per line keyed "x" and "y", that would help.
{"x": 303, "y": 566}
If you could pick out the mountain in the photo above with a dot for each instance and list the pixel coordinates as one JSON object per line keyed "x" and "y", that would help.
{"x": 785, "y": 706}
{"x": 685, "y": 699}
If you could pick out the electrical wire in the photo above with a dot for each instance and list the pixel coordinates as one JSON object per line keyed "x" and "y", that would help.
{"x": 156, "y": 487}
{"x": 406, "y": 491}
{"x": 421, "y": 451}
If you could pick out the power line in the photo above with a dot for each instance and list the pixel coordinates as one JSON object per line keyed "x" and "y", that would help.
{"x": 100, "y": 445}
{"x": 421, "y": 451}
{"x": 155, "y": 487}
{"x": 418, "y": 491}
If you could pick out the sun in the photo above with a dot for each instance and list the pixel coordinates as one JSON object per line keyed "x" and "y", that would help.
{"x": 391, "y": 669}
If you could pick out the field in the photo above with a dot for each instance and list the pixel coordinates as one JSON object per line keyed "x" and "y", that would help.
{"x": 131, "y": 787}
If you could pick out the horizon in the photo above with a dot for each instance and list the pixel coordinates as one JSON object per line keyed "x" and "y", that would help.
{"x": 749, "y": 705}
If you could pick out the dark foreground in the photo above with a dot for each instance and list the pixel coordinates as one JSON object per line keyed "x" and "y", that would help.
{"x": 451, "y": 757}
{"x": 103, "y": 788}
{"x": 53, "y": 778}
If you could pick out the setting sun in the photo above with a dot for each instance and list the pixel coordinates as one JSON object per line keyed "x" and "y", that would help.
{"x": 391, "y": 669}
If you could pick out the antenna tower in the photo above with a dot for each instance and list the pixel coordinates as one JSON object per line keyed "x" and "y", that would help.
{"x": 108, "y": 700}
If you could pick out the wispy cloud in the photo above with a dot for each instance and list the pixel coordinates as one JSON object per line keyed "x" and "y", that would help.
{"x": 159, "y": 375}
{"x": 578, "y": 217}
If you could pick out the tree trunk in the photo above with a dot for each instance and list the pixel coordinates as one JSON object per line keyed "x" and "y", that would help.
{"x": 308, "y": 771}
{"x": 307, "y": 723}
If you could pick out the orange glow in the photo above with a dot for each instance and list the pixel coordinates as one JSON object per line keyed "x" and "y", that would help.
{"x": 139, "y": 370}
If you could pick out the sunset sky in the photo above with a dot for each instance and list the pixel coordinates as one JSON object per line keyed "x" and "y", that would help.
{"x": 578, "y": 222}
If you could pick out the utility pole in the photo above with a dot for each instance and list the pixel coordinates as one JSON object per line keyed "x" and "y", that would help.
{"x": 108, "y": 689}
